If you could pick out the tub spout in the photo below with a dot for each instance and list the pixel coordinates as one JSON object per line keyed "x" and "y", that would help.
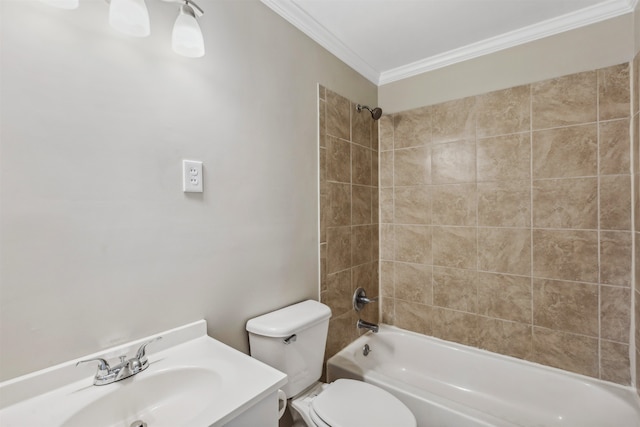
{"x": 363, "y": 324}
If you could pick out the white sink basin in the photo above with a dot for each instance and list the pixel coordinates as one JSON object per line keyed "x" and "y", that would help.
{"x": 168, "y": 397}
{"x": 192, "y": 380}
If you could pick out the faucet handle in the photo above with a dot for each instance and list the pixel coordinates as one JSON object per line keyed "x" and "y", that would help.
{"x": 103, "y": 366}
{"x": 141, "y": 355}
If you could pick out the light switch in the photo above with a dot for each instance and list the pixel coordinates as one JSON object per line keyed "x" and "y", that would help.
{"x": 191, "y": 176}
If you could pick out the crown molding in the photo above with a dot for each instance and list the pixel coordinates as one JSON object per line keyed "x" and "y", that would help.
{"x": 550, "y": 27}
{"x": 318, "y": 33}
{"x": 312, "y": 28}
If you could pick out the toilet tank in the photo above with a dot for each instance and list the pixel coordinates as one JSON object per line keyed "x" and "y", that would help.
{"x": 292, "y": 340}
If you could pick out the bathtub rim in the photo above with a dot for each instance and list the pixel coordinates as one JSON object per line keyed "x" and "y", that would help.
{"x": 620, "y": 390}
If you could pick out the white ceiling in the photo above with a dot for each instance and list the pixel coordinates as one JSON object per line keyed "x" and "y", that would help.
{"x": 388, "y": 40}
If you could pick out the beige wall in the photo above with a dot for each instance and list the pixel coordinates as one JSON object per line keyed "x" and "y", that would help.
{"x": 588, "y": 48}
{"x": 506, "y": 222}
{"x": 348, "y": 213}
{"x": 99, "y": 244}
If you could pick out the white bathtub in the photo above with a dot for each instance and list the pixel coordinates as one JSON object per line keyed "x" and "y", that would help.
{"x": 450, "y": 385}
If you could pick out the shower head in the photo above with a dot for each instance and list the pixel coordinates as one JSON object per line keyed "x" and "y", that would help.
{"x": 376, "y": 113}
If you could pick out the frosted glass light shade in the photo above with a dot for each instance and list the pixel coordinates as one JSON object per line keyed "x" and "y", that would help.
{"x": 187, "y": 38}
{"x": 130, "y": 17}
{"x": 62, "y": 4}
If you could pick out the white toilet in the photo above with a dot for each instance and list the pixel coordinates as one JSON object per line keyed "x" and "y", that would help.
{"x": 292, "y": 340}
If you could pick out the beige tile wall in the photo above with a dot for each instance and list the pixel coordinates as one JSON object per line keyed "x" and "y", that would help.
{"x": 635, "y": 84}
{"x": 505, "y": 222}
{"x": 348, "y": 213}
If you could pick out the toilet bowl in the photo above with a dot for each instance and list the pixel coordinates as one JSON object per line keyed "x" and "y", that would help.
{"x": 292, "y": 340}
{"x": 349, "y": 403}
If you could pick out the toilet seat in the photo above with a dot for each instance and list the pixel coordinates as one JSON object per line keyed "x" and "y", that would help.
{"x": 349, "y": 403}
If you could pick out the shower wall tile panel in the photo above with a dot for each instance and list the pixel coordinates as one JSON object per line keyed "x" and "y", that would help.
{"x": 349, "y": 200}
{"x": 506, "y": 221}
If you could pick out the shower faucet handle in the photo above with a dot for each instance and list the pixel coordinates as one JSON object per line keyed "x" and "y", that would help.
{"x": 360, "y": 299}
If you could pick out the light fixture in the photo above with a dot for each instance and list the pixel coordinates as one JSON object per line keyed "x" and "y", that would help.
{"x": 130, "y": 17}
{"x": 62, "y": 4}
{"x": 187, "y": 38}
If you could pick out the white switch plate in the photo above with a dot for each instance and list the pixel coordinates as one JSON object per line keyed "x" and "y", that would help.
{"x": 191, "y": 176}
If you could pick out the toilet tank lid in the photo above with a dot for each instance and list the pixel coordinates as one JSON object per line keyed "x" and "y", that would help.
{"x": 289, "y": 320}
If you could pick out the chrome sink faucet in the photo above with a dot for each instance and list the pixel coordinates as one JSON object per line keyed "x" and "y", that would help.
{"x": 126, "y": 368}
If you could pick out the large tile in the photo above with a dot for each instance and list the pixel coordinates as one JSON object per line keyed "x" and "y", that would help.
{"x": 387, "y": 279}
{"x": 504, "y": 158}
{"x": 455, "y": 289}
{"x": 323, "y": 267}
{"x": 504, "y": 297}
{"x": 338, "y": 294}
{"x": 386, "y": 169}
{"x": 453, "y": 162}
{"x": 456, "y": 326}
{"x": 413, "y": 316}
{"x": 388, "y": 311}
{"x": 342, "y": 331}
{"x": 454, "y": 204}
{"x": 454, "y": 120}
{"x": 564, "y": 101}
{"x": 615, "y": 202}
{"x": 361, "y": 204}
{"x": 413, "y": 244}
{"x": 386, "y": 205}
{"x": 360, "y": 165}
{"x": 454, "y": 247}
{"x": 504, "y": 204}
{"x": 614, "y": 147}
{"x": 338, "y": 249}
{"x": 504, "y": 111}
{"x": 615, "y": 363}
{"x": 566, "y": 306}
{"x": 505, "y": 250}
{"x": 385, "y": 129}
{"x": 565, "y": 152}
{"x": 375, "y": 206}
{"x": 361, "y": 125}
{"x": 615, "y": 313}
{"x": 412, "y": 205}
{"x": 324, "y": 213}
{"x": 413, "y": 282}
{"x": 365, "y": 276}
{"x": 361, "y": 245}
{"x": 375, "y": 135}
{"x": 375, "y": 167}
{"x": 412, "y": 166}
{"x": 565, "y": 203}
{"x": 566, "y": 255}
{"x": 339, "y": 213}
{"x": 387, "y": 242}
{"x": 575, "y": 353}
{"x": 615, "y": 258}
{"x": 509, "y": 338}
{"x": 412, "y": 128}
{"x": 338, "y": 158}
{"x": 338, "y": 116}
{"x": 614, "y": 92}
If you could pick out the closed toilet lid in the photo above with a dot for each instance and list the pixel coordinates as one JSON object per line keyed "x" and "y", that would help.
{"x": 350, "y": 403}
